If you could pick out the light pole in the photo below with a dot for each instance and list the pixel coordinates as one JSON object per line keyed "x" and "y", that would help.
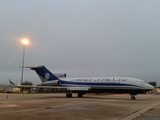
{"x": 24, "y": 42}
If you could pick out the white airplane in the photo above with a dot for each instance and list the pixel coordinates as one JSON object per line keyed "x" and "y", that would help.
{"x": 82, "y": 86}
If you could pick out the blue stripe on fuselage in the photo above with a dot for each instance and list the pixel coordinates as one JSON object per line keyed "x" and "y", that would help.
{"x": 91, "y": 83}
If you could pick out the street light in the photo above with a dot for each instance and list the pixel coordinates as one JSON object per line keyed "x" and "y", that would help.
{"x": 24, "y": 42}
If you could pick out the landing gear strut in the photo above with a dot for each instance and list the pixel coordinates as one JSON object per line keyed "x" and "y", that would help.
{"x": 133, "y": 97}
{"x": 80, "y": 95}
{"x": 68, "y": 95}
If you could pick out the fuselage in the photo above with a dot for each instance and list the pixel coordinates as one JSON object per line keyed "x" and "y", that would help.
{"x": 104, "y": 84}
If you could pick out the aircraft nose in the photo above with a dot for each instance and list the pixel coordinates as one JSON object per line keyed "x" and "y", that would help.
{"x": 150, "y": 87}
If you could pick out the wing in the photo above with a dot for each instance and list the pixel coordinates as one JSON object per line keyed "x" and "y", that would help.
{"x": 56, "y": 88}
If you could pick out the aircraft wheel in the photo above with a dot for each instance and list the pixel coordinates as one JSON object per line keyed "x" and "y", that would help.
{"x": 133, "y": 98}
{"x": 68, "y": 95}
{"x": 80, "y": 95}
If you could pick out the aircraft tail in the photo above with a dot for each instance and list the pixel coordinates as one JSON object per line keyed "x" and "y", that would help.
{"x": 44, "y": 73}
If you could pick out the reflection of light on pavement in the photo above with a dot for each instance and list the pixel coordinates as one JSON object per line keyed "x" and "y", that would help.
{"x": 3, "y": 106}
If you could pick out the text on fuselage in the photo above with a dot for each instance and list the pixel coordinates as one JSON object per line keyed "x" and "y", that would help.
{"x": 99, "y": 80}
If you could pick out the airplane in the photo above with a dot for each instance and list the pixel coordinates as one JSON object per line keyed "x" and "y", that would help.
{"x": 119, "y": 85}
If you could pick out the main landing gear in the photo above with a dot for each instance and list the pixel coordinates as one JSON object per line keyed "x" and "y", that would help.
{"x": 133, "y": 97}
{"x": 69, "y": 95}
{"x": 80, "y": 95}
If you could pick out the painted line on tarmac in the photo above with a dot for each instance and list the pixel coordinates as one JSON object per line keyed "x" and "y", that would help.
{"x": 139, "y": 112}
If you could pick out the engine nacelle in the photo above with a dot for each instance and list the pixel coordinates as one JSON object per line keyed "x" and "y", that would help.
{"x": 51, "y": 83}
{"x": 60, "y": 74}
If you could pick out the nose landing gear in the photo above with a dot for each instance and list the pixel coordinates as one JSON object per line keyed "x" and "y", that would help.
{"x": 133, "y": 97}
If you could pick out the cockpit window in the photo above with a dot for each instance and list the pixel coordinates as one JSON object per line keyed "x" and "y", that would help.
{"x": 141, "y": 82}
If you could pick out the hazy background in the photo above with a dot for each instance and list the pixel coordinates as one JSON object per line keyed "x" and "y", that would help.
{"x": 83, "y": 38}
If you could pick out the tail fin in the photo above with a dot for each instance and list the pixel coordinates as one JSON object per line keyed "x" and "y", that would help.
{"x": 44, "y": 73}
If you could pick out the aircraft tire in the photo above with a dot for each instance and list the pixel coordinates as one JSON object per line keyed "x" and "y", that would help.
{"x": 133, "y": 98}
{"x": 80, "y": 95}
{"x": 68, "y": 95}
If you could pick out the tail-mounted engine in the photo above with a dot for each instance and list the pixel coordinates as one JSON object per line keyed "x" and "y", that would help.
{"x": 60, "y": 74}
{"x": 51, "y": 83}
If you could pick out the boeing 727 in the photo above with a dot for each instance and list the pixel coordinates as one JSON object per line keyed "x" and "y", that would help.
{"x": 97, "y": 85}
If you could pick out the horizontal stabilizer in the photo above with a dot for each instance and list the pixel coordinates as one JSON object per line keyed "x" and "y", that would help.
{"x": 45, "y": 71}
{"x": 38, "y": 67}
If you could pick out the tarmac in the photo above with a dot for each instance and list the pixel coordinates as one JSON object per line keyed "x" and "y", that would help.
{"x": 55, "y": 106}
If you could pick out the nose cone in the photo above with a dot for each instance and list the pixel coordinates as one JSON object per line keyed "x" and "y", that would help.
{"x": 150, "y": 87}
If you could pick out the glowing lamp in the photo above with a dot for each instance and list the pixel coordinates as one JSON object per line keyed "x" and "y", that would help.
{"x": 25, "y": 41}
